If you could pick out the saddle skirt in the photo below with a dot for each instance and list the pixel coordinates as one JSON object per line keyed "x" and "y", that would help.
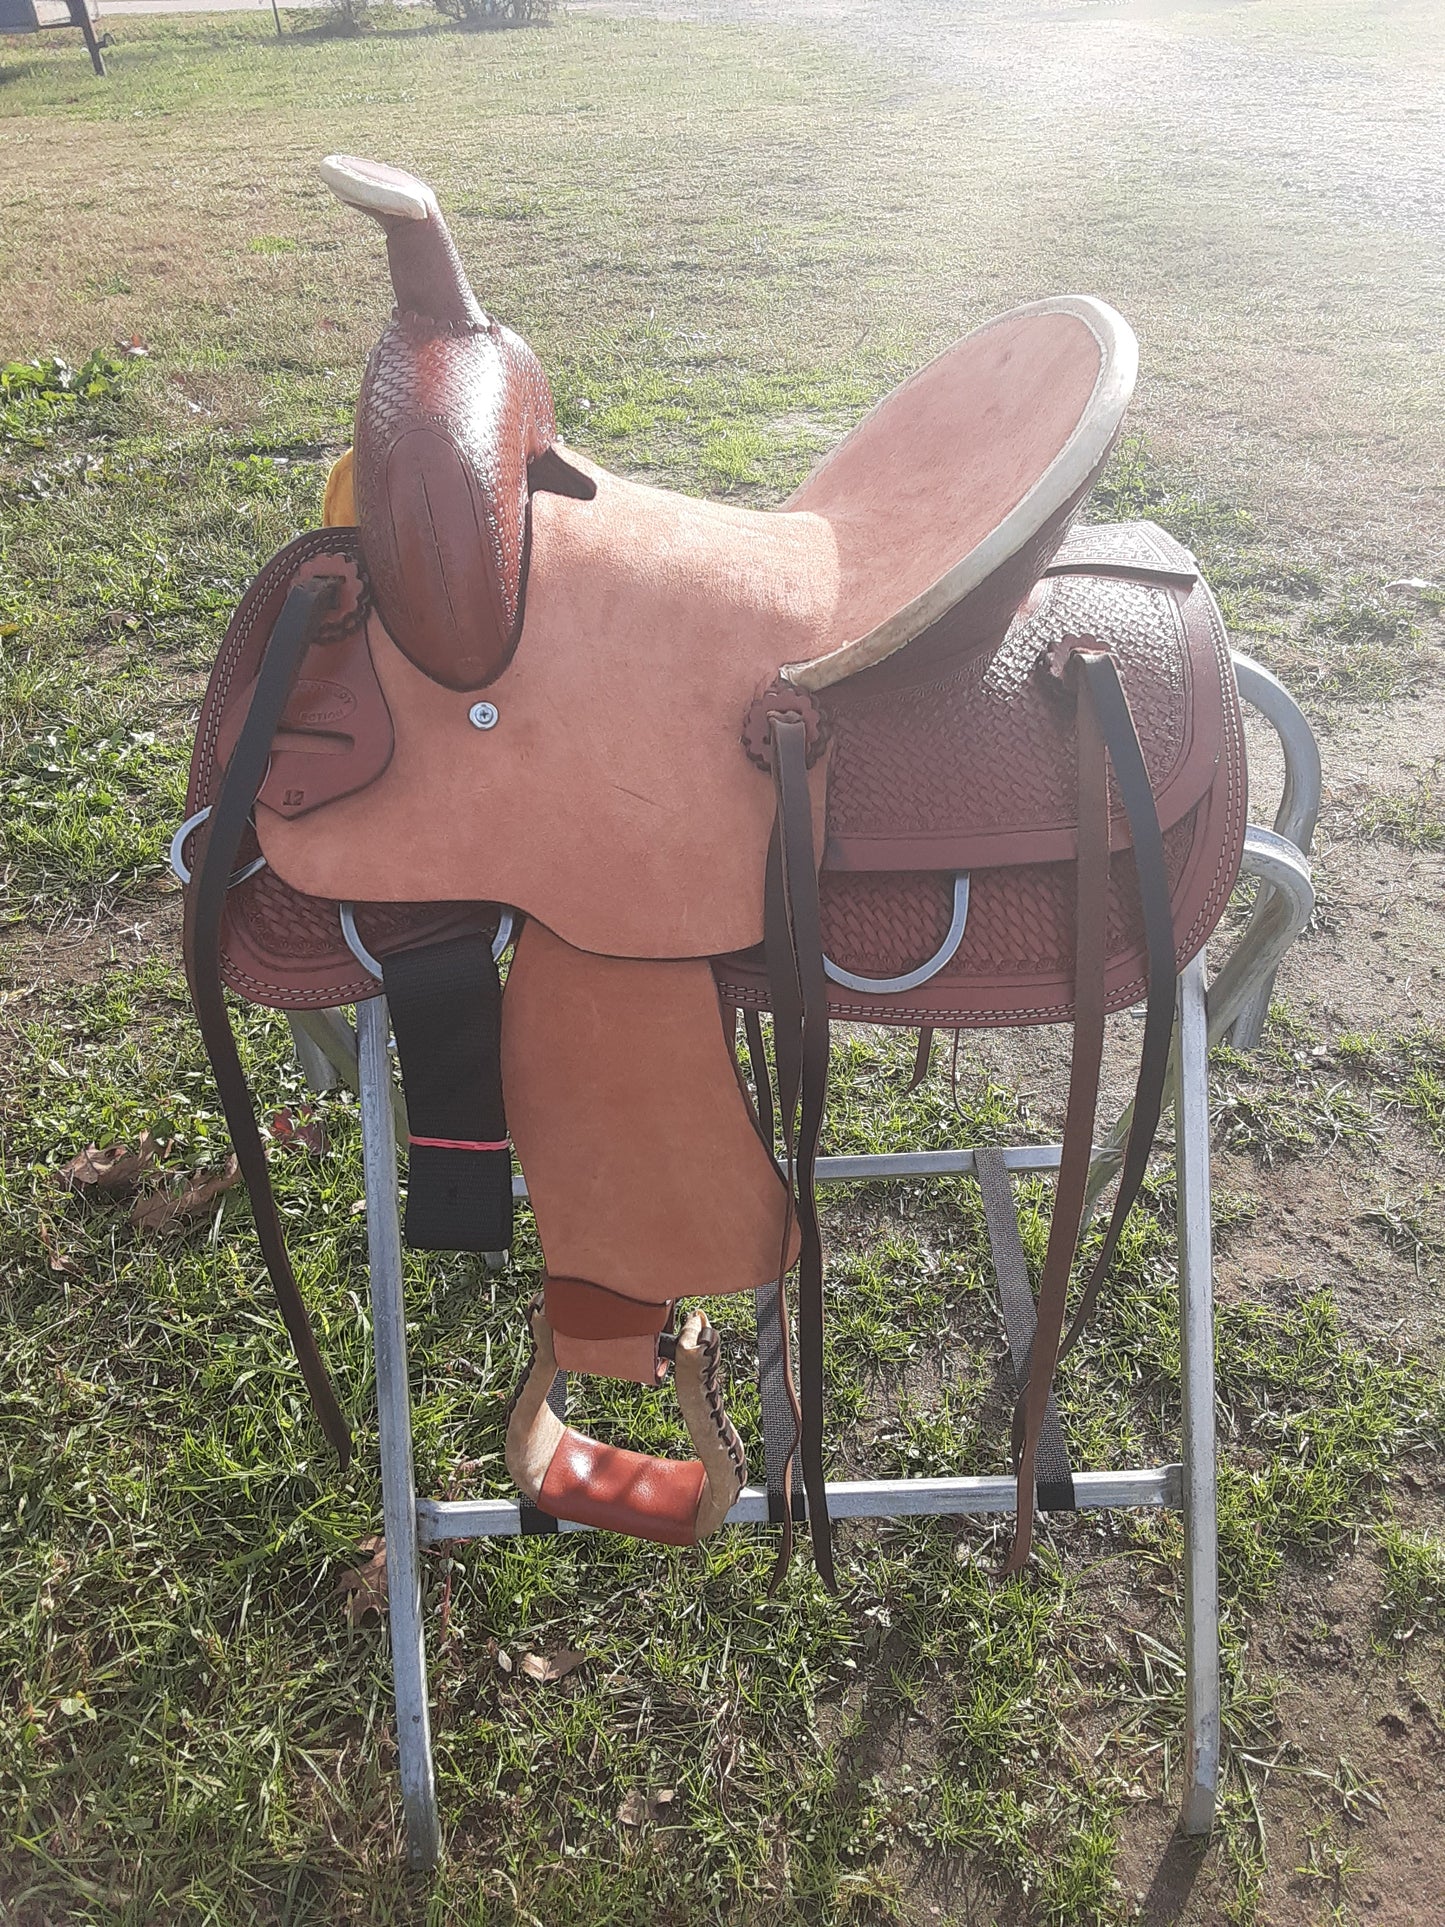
{"x": 967, "y": 772}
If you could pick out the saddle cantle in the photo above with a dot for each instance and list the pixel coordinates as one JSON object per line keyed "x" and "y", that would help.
{"x": 904, "y": 751}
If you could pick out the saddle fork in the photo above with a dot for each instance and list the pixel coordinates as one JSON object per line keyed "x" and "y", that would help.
{"x": 570, "y": 1476}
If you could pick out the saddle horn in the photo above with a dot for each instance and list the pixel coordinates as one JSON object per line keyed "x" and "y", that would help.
{"x": 426, "y": 270}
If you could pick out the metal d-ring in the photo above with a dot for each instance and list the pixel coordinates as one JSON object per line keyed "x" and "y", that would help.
{"x": 911, "y": 979}
{"x": 178, "y": 862}
{"x": 364, "y": 957}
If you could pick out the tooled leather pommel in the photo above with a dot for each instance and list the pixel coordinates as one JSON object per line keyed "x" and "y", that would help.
{"x": 453, "y": 411}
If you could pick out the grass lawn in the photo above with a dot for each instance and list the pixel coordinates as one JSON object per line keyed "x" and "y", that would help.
{"x": 725, "y": 239}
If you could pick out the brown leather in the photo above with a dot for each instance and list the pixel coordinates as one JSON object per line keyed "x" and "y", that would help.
{"x": 635, "y": 1359}
{"x": 616, "y": 751}
{"x": 335, "y": 735}
{"x": 645, "y": 1166}
{"x": 604, "y": 1332}
{"x": 1092, "y": 808}
{"x": 578, "y": 1309}
{"x": 311, "y": 608}
{"x": 943, "y": 504}
{"x": 621, "y": 1491}
{"x": 651, "y": 618}
{"x": 950, "y": 461}
{"x": 603, "y": 789}
{"x": 983, "y": 747}
{"x": 975, "y": 769}
{"x": 453, "y": 408}
{"x": 800, "y": 1042}
{"x": 651, "y": 1498}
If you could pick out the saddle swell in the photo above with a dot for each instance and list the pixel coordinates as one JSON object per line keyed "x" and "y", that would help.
{"x": 454, "y": 412}
{"x": 904, "y": 751}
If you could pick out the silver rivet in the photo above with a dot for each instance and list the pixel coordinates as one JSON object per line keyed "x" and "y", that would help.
{"x": 483, "y": 716}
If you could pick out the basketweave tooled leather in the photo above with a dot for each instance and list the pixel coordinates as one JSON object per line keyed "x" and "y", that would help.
{"x": 977, "y": 760}
{"x": 448, "y": 419}
{"x": 973, "y": 771}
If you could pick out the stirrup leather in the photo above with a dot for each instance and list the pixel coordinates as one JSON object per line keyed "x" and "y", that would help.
{"x": 674, "y": 1502}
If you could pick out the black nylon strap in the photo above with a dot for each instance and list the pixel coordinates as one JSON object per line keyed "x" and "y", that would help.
{"x": 306, "y": 605}
{"x": 1053, "y": 1478}
{"x": 445, "y": 1001}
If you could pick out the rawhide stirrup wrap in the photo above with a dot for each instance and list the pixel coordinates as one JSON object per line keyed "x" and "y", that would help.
{"x": 674, "y": 1502}
{"x": 913, "y": 749}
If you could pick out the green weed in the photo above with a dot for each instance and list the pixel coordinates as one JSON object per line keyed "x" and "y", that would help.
{"x": 1414, "y": 1572}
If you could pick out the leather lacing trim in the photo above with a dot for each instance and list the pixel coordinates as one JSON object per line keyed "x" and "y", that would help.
{"x": 710, "y": 1344}
{"x": 534, "y": 1310}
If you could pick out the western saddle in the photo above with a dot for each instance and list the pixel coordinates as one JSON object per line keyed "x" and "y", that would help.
{"x": 911, "y": 750}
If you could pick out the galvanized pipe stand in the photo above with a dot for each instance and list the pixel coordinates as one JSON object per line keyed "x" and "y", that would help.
{"x": 1235, "y": 1005}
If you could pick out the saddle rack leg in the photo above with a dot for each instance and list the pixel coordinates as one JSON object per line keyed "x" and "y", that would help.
{"x": 393, "y": 1415}
{"x": 1196, "y": 1325}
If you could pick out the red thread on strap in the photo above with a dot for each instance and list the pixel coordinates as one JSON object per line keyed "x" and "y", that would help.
{"x": 462, "y": 1143}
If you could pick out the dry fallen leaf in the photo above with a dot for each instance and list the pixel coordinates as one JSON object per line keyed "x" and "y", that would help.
{"x": 638, "y": 1808}
{"x": 192, "y": 1199}
{"x": 59, "y": 1260}
{"x": 299, "y": 1131}
{"x": 547, "y": 1667}
{"x": 365, "y": 1585}
{"x": 114, "y": 1168}
{"x": 634, "y": 1810}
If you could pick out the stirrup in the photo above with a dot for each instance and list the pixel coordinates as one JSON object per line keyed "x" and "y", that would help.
{"x": 672, "y": 1501}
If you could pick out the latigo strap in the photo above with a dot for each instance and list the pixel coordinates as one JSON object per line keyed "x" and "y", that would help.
{"x": 300, "y": 623}
{"x": 1105, "y": 731}
{"x": 1086, "y": 676}
{"x": 793, "y": 943}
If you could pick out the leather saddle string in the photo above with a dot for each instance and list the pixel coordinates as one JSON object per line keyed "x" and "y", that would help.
{"x": 785, "y": 995}
{"x": 794, "y": 945}
{"x": 778, "y": 1393}
{"x": 306, "y": 605}
{"x": 1090, "y": 931}
{"x": 923, "y": 1056}
{"x": 1055, "y": 1488}
{"x": 1137, "y": 792}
